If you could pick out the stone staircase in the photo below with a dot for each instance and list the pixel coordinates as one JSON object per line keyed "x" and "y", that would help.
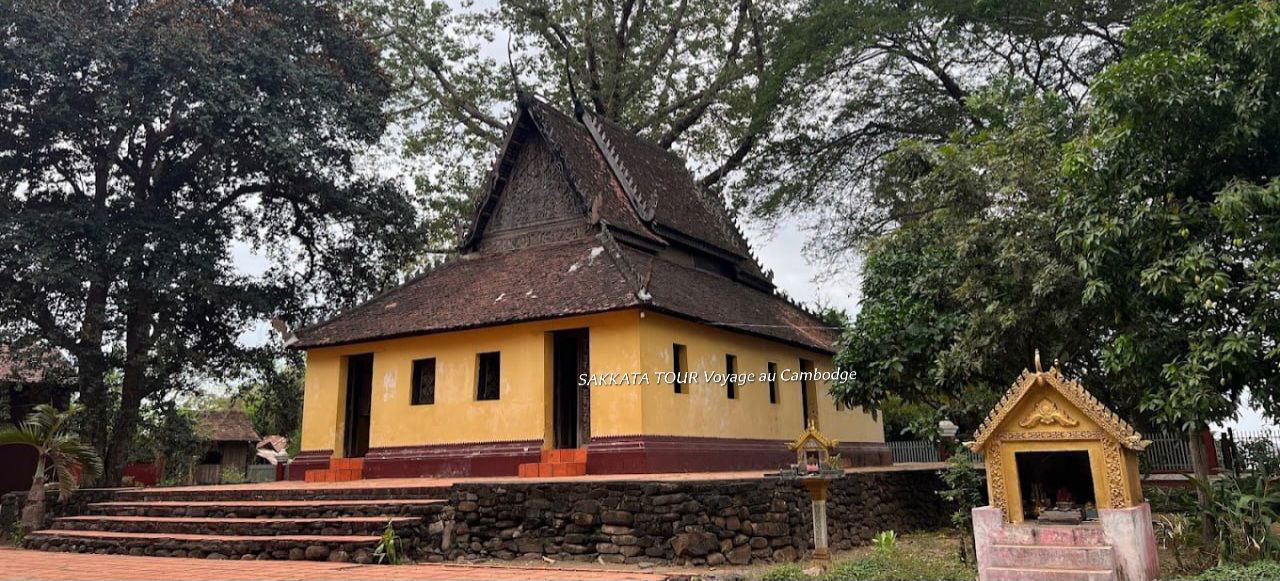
{"x": 229, "y": 522}
{"x": 567, "y": 462}
{"x": 1051, "y": 553}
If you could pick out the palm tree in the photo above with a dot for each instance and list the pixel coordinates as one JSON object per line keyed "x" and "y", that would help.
{"x": 59, "y": 449}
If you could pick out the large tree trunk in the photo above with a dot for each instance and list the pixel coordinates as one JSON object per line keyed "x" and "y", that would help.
{"x": 92, "y": 368}
{"x": 133, "y": 388}
{"x": 1200, "y": 469}
{"x": 33, "y": 510}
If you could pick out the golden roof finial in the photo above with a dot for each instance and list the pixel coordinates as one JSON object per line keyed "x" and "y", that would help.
{"x": 1038, "y": 368}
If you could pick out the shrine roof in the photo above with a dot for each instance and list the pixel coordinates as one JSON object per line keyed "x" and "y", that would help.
{"x": 1107, "y": 420}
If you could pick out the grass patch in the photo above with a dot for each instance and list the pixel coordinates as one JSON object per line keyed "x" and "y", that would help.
{"x": 1249, "y": 572}
{"x": 899, "y": 566}
{"x": 912, "y": 561}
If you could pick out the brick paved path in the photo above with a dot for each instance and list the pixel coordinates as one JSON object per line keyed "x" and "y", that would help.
{"x": 18, "y": 564}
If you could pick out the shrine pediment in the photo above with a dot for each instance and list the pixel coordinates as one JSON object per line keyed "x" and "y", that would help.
{"x": 1047, "y": 405}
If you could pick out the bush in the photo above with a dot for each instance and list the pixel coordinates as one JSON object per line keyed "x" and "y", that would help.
{"x": 1170, "y": 499}
{"x": 232, "y": 476}
{"x": 1243, "y": 510}
{"x": 788, "y": 572}
{"x": 1254, "y": 570}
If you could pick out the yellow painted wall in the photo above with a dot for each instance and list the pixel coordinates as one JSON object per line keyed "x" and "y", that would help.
{"x": 622, "y": 342}
{"x": 521, "y": 413}
{"x": 705, "y": 410}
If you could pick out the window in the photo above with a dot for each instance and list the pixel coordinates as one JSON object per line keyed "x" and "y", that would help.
{"x": 773, "y": 382}
{"x": 488, "y": 370}
{"x": 730, "y": 368}
{"x": 424, "y": 381}
{"x": 808, "y": 406}
{"x": 679, "y": 364}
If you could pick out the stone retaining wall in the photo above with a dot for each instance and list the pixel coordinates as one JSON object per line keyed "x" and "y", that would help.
{"x": 687, "y": 523}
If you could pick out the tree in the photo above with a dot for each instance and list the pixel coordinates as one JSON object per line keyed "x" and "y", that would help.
{"x": 1174, "y": 214}
{"x": 58, "y": 449}
{"x": 273, "y": 398}
{"x": 143, "y": 143}
{"x": 856, "y": 80}
{"x": 957, "y": 300}
{"x": 680, "y": 72}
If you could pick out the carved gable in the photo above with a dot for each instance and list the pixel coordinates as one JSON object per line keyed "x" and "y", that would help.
{"x": 536, "y": 197}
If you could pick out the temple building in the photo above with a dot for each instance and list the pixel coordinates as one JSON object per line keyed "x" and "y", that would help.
{"x": 594, "y": 271}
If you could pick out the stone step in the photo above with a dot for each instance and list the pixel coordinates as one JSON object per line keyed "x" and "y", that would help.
{"x": 564, "y": 456}
{"x": 1053, "y": 558}
{"x": 294, "y": 547}
{"x": 1024, "y": 574}
{"x": 404, "y": 525}
{"x": 315, "y": 492}
{"x": 271, "y": 508}
{"x": 1051, "y": 535}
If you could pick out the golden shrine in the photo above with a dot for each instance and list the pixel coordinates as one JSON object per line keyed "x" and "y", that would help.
{"x": 814, "y": 450}
{"x": 1051, "y": 446}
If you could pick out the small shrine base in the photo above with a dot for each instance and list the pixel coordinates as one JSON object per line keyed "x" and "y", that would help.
{"x": 1119, "y": 546}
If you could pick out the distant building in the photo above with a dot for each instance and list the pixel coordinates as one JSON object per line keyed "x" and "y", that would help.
{"x": 230, "y": 445}
{"x": 594, "y": 255}
{"x": 29, "y": 376}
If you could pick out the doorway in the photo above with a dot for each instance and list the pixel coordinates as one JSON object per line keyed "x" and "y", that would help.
{"x": 1047, "y": 479}
{"x": 358, "y": 407}
{"x": 571, "y": 398}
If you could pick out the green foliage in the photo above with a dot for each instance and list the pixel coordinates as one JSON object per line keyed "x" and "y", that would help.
{"x": 1179, "y": 535}
{"x": 144, "y": 145}
{"x": 17, "y": 533}
{"x": 1170, "y": 499}
{"x": 48, "y": 430}
{"x": 273, "y": 398}
{"x": 1173, "y": 212}
{"x": 168, "y": 432}
{"x": 957, "y": 299}
{"x": 785, "y": 572}
{"x": 1136, "y": 237}
{"x": 885, "y": 541}
{"x": 683, "y": 74}
{"x": 231, "y": 475}
{"x": 861, "y": 80}
{"x": 966, "y": 488}
{"x": 1259, "y": 456}
{"x": 390, "y": 549}
{"x": 898, "y": 566}
{"x": 58, "y": 451}
{"x": 1259, "y": 570}
{"x": 1244, "y": 513}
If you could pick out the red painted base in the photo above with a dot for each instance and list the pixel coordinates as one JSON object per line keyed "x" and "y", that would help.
{"x": 652, "y": 454}
{"x": 612, "y": 455}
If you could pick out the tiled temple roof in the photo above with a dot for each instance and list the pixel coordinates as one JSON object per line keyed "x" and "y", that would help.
{"x": 649, "y": 237}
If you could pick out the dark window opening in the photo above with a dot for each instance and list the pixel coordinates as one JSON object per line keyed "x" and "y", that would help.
{"x": 678, "y": 365}
{"x": 212, "y": 457}
{"x": 424, "y": 381}
{"x": 1049, "y": 479}
{"x": 730, "y": 369}
{"x": 487, "y": 374}
{"x": 773, "y": 382}
{"x": 807, "y": 408}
